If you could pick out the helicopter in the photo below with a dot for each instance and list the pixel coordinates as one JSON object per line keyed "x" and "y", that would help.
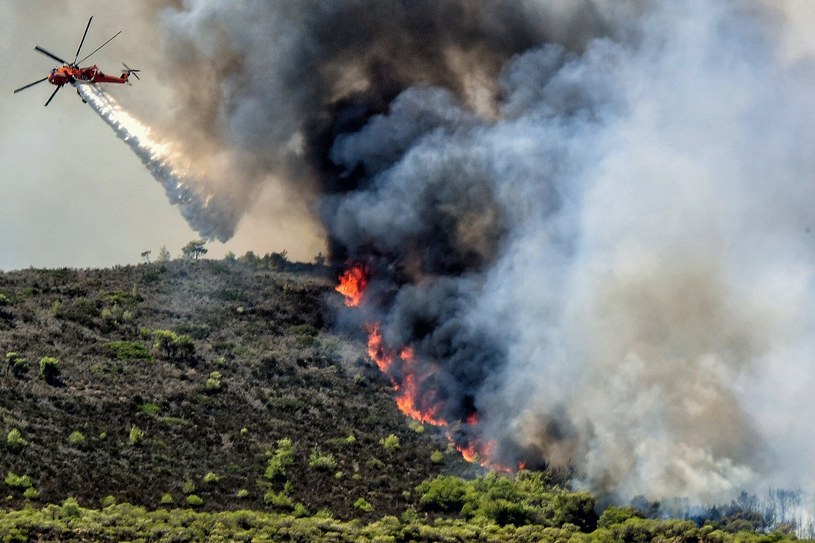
{"x": 70, "y": 72}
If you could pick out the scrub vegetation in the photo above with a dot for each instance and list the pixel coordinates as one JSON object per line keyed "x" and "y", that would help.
{"x": 198, "y": 400}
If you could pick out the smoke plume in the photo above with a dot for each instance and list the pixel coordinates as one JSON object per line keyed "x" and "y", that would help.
{"x": 589, "y": 222}
{"x": 204, "y": 216}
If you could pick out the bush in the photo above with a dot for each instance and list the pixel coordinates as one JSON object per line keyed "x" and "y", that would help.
{"x": 49, "y": 369}
{"x": 149, "y": 408}
{"x": 391, "y": 443}
{"x": 174, "y": 346}
{"x": 188, "y": 487}
{"x": 278, "y": 500}
{"x": 136, "y": 436}
{"x": 70, "y": 507}
{"x": 211, "y": 478}
{"x": 437, "y": 457}
{"x": 214, "y": 382}
{"x": 445, "y": 493}
{"x": 167, "y": 499}
{"x": 4, "y": 300}
{"x": 282, "y": 458}
{"x": 242, "y": 494}
{"x": 76, "y": 438}
{"x": 17, "y": 481}
{"x": 129, "y": 350}
{"x": 616, "y": 515}
{"x": 363, "y": 505}
{"x": 14, "y": 440}
{"x": 17, "y": 363}
{"x": 318, "y": 460}
{"x": 31, "y": 493}
{"x": 195, "y": 500}
{"x": 107, "y": 501}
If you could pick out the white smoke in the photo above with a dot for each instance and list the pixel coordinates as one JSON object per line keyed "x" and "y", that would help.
{"x": 606, "y": 251}
{"x": 200, "y": 211}
{"x": 664, "y": 315}
{"x": 655, "y": 286}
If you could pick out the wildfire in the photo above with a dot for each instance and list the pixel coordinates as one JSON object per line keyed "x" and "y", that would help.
{"x": 376, "y": 349}
{"x": 409, "y": 393}
{"x": 412, "y": 398}
{"x": 353, "y": 283}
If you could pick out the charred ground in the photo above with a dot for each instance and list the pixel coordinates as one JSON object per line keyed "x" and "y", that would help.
{"x": 128, "y": 416}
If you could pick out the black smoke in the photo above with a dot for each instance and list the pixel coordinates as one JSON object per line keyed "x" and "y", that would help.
{"x": 587, "y": 219}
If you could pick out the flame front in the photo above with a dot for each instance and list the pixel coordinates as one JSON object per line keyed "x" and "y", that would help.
{"x": 415, "y": 395}
{"x": 353, "y": 283}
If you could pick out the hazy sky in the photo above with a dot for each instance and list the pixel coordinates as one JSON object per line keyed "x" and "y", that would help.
{"x": 71, "y": 193}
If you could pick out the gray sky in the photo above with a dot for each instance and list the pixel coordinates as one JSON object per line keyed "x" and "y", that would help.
{"x": 71, "y": 193}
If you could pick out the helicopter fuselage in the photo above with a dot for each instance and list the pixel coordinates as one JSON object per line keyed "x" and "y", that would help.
{"x": 75, "y": 75}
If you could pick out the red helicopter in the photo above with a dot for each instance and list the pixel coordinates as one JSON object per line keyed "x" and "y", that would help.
{"x": 73, "y": 74}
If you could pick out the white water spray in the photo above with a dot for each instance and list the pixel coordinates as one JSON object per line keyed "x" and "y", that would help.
{"x": 200, "y": 210}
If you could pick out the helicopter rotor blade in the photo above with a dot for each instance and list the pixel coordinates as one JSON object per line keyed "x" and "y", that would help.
{"x": 52, "y": 96}
{"x": 97, "y": 49}
{"x": 83, "y": 39}
{"x": 30, "y": 85}
{"x": 132, "y": 71}
{"x": 52, "y": 55}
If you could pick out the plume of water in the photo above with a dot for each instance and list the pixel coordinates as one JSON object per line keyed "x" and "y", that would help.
{"x": 201, "y": 211}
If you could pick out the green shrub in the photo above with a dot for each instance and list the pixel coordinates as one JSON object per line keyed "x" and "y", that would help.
{"x": 17, "y": 481}
{"x": 167, "y": 499}
{"x": 76, "y": 438}
{"x": 242, "y": 494}
{"x": 445, "y": 493}
{"x": 149, "y": 408}
{"x": 188, "y": 487}
{"x": 31, "y": 493}
{"x": 14, "y": 440}
{"x": 70, "y": 507}
{"x": 318, "y": 460}
{"x": 4, "y": 300}
{"x": 18, "y": 363}
{"x": 416, "y": 426}
{"x": 363, "y": 505}
{"x": 107, "y": 501}
{"x": 339, "y": 475}
{"x": 136, "y": 436}
{"x": 616, "y": 515}
{"x": 174, "y": 346}
{"x": 437, "y": 457}
{"x": 195, "y": 500}
{"x": 211, "y": 478}
{"x": 214, "y": 382}
{"x": 280, "y": 459}
{"x": 391, "y": 443}
{"x": 129, "y": 350}
{"x": 278, "y": 500}
{"x": 49, "y": 368}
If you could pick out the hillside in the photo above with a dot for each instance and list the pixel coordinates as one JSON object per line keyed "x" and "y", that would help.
{"x": 248, "y": 358}
{"x": 222, "y": 401}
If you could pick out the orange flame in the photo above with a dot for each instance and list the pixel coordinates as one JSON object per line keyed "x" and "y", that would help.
{"x": 409, "y": 397}
{"x": 376, "y": 350}
{"x": 353, "y": 283}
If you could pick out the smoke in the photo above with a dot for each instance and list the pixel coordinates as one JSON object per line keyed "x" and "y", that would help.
{"x": 204, "y": 216}
{"x": 590, "y": 222}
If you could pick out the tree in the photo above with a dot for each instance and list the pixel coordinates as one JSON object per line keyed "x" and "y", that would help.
{"x": 146, "y": 255}
{"x": 49, "y": 369}
{"x": 194, "y": 249}
{"x": 163, "y": 254}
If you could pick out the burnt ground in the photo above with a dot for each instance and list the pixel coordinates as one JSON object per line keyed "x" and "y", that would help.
{"x": 286, "y": 372}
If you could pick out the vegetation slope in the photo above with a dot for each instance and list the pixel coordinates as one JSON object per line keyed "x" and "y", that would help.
{"x": 219, "y": 400}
